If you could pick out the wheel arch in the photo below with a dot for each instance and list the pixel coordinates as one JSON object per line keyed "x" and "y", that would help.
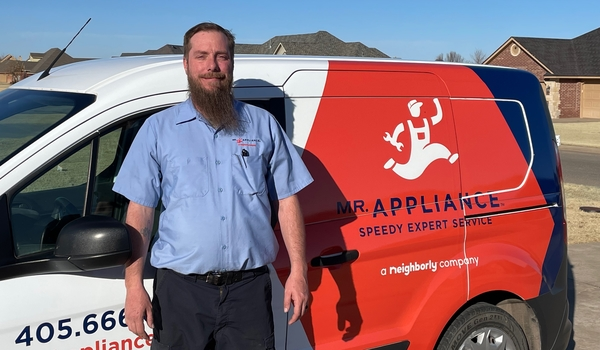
{"x": 515, "y": 306}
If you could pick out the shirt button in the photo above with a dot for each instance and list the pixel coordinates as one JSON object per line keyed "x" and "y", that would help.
{"x": 218, "y": 162}
{"x": 224, "y": 247}
{"x": 220, "y": 190}
{"x": 216, "y": 136}
{"x": 222, "y": 218}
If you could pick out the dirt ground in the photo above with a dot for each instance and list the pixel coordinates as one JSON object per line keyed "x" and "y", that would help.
{"x": 582, "y": 226}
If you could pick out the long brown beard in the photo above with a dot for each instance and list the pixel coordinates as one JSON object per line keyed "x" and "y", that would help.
{"x": 215, "y": 105}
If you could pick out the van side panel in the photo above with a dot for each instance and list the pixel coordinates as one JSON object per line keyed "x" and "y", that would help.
{"x": 501, "y": 208}
{"x": 552, "y": 287}
{"x": 402, "y": 228}
{"x": 545, "y": 166}
{"x": 504, "y": 231}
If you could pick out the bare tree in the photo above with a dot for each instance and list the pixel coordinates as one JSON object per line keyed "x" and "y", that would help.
{"x": 17, "y": 71}
{"x": 478, "y": 56}
{"x": 451, "y": 56}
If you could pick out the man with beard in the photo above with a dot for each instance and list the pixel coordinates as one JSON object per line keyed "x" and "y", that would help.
{"x": 212, "y": 288}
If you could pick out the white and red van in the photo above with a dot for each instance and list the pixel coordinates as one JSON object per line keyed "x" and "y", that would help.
{"x": 435, "y": 221}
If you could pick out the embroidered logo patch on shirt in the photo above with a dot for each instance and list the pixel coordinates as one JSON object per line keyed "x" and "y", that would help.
{"x": 246, "y": 142}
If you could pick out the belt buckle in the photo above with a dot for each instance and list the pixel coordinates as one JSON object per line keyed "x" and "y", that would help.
{"x": 214, "y": 279}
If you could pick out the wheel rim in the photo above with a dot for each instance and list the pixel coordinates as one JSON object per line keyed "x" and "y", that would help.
{"x": 488, "y": 338}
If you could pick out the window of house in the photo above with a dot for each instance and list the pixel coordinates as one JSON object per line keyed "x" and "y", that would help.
{"x": 515, "y": 50}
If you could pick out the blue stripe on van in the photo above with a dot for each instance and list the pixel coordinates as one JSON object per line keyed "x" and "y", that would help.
{"x": 525, "y": 87}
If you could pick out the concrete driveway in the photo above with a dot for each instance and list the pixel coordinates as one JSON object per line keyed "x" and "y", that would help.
{"x": 584, "y": 295}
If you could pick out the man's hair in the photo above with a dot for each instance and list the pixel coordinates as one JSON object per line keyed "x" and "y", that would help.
{"x": 207, "y": 27}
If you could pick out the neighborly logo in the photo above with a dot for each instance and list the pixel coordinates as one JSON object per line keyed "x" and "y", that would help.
{"x": 423, "y": 152}
{"x": 246, "y": 142}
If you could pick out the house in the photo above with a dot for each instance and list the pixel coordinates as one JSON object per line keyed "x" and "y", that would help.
{"x": 49, "y": 57}
{"x": 13, "y": 70}
{"x": 320, "y": 43}
{"x": 568, "y": 70}
{"x": 35, "y": 56}
{"x": 168, "y": 49}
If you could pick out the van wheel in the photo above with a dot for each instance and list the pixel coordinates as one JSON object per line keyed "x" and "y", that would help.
{"x": 484, "y": 326}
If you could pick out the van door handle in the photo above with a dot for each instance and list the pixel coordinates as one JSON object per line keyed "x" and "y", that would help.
{"x": 346, "y": 256}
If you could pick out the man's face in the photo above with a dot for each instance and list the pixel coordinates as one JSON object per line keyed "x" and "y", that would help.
{"x": 209, "y": 62}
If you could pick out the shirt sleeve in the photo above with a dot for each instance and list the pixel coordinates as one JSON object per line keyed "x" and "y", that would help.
{"x": 140, "y": 175}
{"x": 287, "y": 173}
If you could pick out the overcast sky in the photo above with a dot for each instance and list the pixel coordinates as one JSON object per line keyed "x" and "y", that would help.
{"x": 415, "y": 30}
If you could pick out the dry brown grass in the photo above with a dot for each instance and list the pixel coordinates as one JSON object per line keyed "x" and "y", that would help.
{"x": 579, "y": 133}
{"x": 582, "y": 227}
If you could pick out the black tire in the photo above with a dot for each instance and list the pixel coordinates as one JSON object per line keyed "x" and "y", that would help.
{"x": 484, "y": 326}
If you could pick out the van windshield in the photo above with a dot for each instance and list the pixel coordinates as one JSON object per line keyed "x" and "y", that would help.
{"x": 26, "y": 115}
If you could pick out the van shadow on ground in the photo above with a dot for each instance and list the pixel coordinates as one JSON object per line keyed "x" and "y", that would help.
{"x": 571, "y": 298}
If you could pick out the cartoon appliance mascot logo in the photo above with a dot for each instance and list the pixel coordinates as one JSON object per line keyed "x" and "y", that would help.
{"x": 423, "y": 152}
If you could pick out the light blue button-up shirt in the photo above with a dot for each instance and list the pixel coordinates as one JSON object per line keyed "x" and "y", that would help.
{"x": 215, "y": 187}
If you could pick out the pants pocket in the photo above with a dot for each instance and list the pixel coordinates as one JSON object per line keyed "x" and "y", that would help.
{"x": 270, "y": 342}
{"x": 158, "y": 346}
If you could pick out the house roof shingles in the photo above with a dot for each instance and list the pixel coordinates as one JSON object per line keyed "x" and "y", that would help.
{"x": 168, "y": 49}
{"x": 566, "y": 57}
{"x": 320, "y": 43}
{"x": 49, "y": 57}
{"x": 8, "y": 66}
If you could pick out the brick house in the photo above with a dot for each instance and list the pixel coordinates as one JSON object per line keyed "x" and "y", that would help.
{"x": 13, "y": 70}
{"x": 568, "y": 70}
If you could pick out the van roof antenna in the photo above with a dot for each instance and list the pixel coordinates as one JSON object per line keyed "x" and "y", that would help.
{"x": 47, "y": 71}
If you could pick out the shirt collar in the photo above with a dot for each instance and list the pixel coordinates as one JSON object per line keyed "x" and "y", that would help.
{"x": 188, "y": 110}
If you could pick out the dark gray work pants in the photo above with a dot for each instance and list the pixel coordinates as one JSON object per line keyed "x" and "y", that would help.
{"x": 192, "y": 314}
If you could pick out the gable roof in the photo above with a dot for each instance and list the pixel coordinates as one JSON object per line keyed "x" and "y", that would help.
{"x": 168, "y": 49}
{"x": 579, "y": 56}
{"x": 6, "y": 58}
{"x": 8, "y": 66}
{"x": 49, "y": 57}
{"x": 35, "y": 56}
{"x": 321, "y": 43}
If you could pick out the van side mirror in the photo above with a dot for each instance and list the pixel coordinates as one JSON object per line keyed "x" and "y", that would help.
{"x": 94, "y": 242}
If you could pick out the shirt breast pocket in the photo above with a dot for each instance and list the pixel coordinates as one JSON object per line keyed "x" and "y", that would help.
{"x": 189, "y": 176}
{"x": 249, "y": 174}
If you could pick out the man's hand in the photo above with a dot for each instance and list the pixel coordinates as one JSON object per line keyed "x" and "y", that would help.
{"x": 296, "y": 293}
{"x": 137, "y": 309}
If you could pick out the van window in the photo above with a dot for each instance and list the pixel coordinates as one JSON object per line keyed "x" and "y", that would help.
{"x": 65, "y": 190}
{"x": 274, "y": 106}
{"x": 43, "y": 207}
{"x": 26, "y": 115}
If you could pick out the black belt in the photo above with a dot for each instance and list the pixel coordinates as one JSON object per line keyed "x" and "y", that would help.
{"x": 226, "y": 277}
